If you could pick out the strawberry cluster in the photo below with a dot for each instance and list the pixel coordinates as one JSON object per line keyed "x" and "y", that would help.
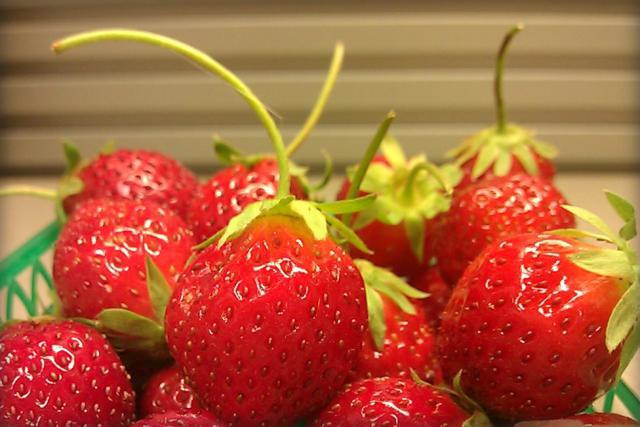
{"x": 424, "y": 295}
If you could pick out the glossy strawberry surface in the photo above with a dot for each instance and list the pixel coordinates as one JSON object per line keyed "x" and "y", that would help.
{"x": 546, "y": 170}
{"x": 431, "y": 282}
{"x": 61, "y": 373}
{"x": 409, "y": 344}
{"x": 136, "y": 175}
{"x": 390, "y": 402}
{"x": 179, "y": 419}
{"x": 527, "y": 328}
{"x": 99, "y": 258}
{"x": 267, "y": 327}
{"x": 168, "y": 391}
{"x": 229, "y": 191}
{"x": 494, "y": 209}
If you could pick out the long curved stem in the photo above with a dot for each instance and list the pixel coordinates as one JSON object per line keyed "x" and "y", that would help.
{"x": 321, "y": 102}
{"x": 383, "y": 128}
{"x": 407, "y": 192}
{"x": 202, "y": 59}
{"x": 501, "y": 118}
{"x": 27, "y": 190}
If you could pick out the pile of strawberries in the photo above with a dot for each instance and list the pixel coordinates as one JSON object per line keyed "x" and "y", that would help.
{"x": 424, "y": 295}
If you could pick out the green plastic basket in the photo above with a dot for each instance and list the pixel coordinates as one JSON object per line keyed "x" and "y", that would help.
{"x": 24, "y": 277}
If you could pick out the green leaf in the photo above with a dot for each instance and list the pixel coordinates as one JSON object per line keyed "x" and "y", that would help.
{"x": 389, "y": 211}
{"x": 348, "y": 234}
{"x": 108, "y": 148}
{"x": 623, "y": 317}
{"x": 629, "y": 350}
{"x": 55, "y": 305}
{"x": 72, "y": 156}
{"x": 477, "y": 419}
{"x": 605, "y": 262}
{"x": 365, "y": 217}
{"x": 69, "y": 185}
{"x": 326, "y": 174}
{"x": 312, "y": 217}
{"x": 543, "y": 149}
{"x": 526, "y": 159}
{"x": 158, "y": 288}
{"x": 416, "y": 378}
{"x": 594, "y": 220}
{"x": 392, "y": 151}
{"x": 347, "y": 206}
{"x": 377, "y": 324}
{"x": 414, "y": 229}
{"x": 503, "y": 163}
{"x": 466, "y": 401}
{"x": 626, "y": 211}
{"x": 129, "y": 323}
{"x": 377, "y": 178}
{"x": 227, "y": 155}
{"x": 486, "y": 157}
{"x": 580, "y": 234}
{"x": 240, "y": 222}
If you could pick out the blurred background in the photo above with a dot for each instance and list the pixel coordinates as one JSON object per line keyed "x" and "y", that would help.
{"x": 572, "y": 75}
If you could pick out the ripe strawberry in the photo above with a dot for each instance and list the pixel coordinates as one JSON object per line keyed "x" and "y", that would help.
{"x": 580, "y": 420}
{"x": 178, "y": 419}
{"x": 505, "y": 148}
{"x": 526, "y": 323}
{"x": 391, "y": 402}
{"x": 229, "y": 191}
{"x": 492, "y": 209}
{"x": 99, "y": 259}
{"x": 284, "y": 316}
{"x": 399, "y": 227}
{"x": 132, "y": 175}
{"x": 60, "y": 373}
{"x": 167, "y": 391}
{"x": 431, "y": 282}
{"x": 399, "y": 341}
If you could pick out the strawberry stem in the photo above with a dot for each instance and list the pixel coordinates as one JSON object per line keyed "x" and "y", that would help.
{"x": 501, "y": 119}
{"x": 203, "y": 60}
{"x": 27, "y": 190}
{"x": 407, "y": 192}
{"x": 321, "y": 102}
{"x": 366, "y": 160}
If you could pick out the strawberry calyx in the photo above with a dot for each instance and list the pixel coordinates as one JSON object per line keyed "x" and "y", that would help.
{"x": 378, "y": 282}
{"x": 409, "y": 191}
{"x": 622, "y": 264}
{"x": 478, "y": 417}
{"x": 497, "y": 146}
{"x": 127, "y": 330}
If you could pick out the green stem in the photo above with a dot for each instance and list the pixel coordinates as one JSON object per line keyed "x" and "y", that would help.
{"x": 321, "y": 102}
{"x": 27, "y": 190}
{"x": 203, "y": 60}
{"x": 407, "y": 192}
{"x": 501, "y": 118}
{"x": 363, "y": 166}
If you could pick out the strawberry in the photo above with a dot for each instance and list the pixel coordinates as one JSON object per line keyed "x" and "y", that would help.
{"x": 108, "y": 255}
{"x": 399, "y": 227}
{"x": 231, "y": 190}
{"x": 179, "y": 419}
{"x": 391, "y": 402}
{"x": 539, "y": 325}
{"x": 431, "y": 282}
{"x": 400, "y": 341}
{"x": 166, "y": 391}
{"x": 60, "y": 373}
{"x": 492, "y": 209}
{"x": 505, "y": 148}
{"x": 580, "y": 420}
{"x": 128, "y": 174}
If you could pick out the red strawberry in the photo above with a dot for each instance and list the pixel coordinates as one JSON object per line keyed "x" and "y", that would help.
{"x": 99, "y": 259}
{"x": 231, "y": 190}
{"x": 431, "y": 282}
{"x": 580, "y": 420}
{"x": 60, "y": 373}
{"x": 177, "y": 419}
{"x": 505, "y": 148}
{"x": 391, "y": 402}
{"x": 284, "y": 316}
{"x": 492, "y": 209}
{"x": 400, "y": 340}
{"x": 131, "y": 175}
{"x": 526, "y": 323}
{"x": 399, "y": 227}
{"x": 167, "y": 391}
